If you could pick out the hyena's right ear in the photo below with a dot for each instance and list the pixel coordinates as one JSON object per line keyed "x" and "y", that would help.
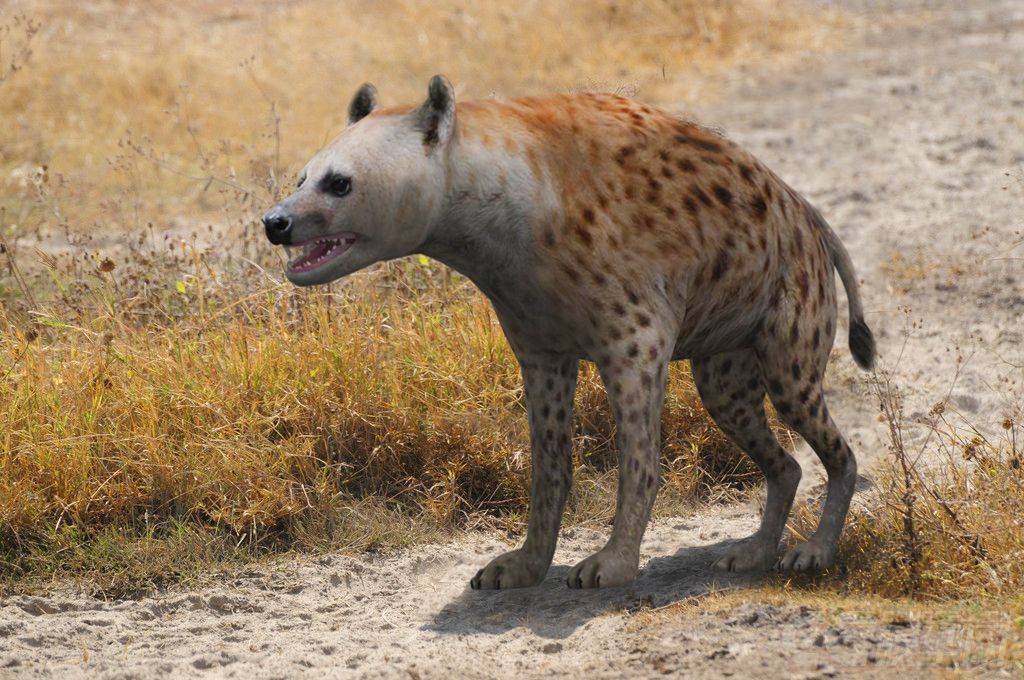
{"x": 364, "y": 101}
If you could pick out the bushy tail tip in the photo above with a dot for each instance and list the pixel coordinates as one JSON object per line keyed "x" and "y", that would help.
{"x": 862, "y": 344}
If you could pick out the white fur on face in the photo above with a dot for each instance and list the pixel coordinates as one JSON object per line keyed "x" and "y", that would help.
{"x": 397, "y": 192}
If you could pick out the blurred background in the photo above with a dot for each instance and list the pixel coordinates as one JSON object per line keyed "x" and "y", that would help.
{"x": 120, "y": 113}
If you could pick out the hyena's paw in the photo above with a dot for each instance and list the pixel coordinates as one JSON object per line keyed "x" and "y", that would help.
{"x": 515, "y": 569}
{"x": 810, "y": 556}
{"x": 750, "y": 554}
{"x": 604, "y": 569}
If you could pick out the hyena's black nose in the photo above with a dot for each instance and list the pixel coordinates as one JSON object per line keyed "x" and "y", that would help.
{"x": 279, "y": 227}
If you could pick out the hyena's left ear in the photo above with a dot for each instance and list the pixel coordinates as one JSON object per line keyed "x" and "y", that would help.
{"x": 437, "y": 115}
{"x": 364, "y": 101}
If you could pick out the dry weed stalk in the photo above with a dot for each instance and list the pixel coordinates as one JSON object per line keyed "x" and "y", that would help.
{"x": 943, "y": 519}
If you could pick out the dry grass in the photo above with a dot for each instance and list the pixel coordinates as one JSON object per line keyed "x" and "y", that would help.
{"x": 245, "y": 91}
{"x": 175, "y": 391}
{"x": 944, "y": 519}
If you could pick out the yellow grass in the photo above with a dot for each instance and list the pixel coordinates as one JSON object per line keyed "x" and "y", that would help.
{"x": 246, "y": 91}
{"x": 943, "y": 521}
{"x": 275, "y": 415}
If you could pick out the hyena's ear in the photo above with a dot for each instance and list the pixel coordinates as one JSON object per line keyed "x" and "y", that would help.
{"x": 437, "y": 115}
{"x": 364, "y": 101}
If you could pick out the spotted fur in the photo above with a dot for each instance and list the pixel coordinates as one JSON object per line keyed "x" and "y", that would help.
{"x": 603, "y": 229}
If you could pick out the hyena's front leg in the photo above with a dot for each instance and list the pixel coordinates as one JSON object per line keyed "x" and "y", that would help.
{"x": 550, "y": 385}
{"x": 635, "y": 381}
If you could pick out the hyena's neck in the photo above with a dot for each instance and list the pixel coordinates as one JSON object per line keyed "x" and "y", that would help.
{"x": 486, "y": 229}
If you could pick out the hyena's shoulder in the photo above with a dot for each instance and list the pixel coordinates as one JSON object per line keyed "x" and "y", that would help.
{"x": 633, "y": 178}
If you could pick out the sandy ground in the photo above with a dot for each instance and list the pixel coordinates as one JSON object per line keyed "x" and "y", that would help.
{"x": 912, "y": 144}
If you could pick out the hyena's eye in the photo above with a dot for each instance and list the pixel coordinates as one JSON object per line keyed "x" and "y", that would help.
{"x": 336, "y": 185}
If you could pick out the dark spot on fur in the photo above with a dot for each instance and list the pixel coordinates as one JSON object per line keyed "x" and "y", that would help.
{"x": 701, "y": 196}
{"x": 588, "y": 215}
{"x": 643, "y": 320}
{"x": 759, "y": 208}
{"x": 803, "y": 285}
{"x": 721, "y": 263}
{"x": 584, "y": 236}
{"x": 700, "y": 143}
{"x": 686, "y": 165}
{"x": 723, "y": 195}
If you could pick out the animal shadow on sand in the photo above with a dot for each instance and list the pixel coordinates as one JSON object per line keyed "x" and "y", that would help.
{"x": 552, "y": 610}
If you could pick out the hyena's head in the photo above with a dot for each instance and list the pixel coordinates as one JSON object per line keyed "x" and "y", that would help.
{"x": 372, "y": 194}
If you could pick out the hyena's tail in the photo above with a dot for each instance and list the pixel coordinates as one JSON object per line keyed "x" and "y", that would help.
{"x": 862, "y": 342}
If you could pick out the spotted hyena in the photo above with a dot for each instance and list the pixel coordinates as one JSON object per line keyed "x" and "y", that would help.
{"x": 604, "y": 229}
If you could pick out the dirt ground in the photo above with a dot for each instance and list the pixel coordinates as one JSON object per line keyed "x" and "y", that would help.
{"x": 911, "y": 141}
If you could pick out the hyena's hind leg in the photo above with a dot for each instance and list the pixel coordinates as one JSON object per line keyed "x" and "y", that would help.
{"x": 795, "y": 388}
{"x": 732, "y": 390}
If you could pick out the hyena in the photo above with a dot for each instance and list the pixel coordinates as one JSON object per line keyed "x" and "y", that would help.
{"x": 604, "y": 229}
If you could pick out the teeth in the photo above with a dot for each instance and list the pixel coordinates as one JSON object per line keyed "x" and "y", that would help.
{"x": 327, "y": 245}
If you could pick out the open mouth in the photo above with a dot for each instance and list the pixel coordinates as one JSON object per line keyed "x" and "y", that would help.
{"x": 320, "y": 251}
